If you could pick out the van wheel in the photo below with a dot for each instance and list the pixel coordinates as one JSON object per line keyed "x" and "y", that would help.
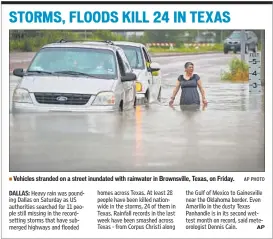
{"x": 135, "y": 102}
{"x": 147, "y": 97}
{"x": 121, "y": 106}
{"x": 159, "y": 95}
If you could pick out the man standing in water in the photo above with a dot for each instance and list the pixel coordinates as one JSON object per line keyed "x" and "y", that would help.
{"x": 189, "y": 83}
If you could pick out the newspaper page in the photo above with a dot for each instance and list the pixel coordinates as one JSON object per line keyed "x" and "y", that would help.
{"x": 136, "y": 119}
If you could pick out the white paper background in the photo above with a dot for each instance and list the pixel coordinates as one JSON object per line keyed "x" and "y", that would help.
{"x": 243, "y": 17}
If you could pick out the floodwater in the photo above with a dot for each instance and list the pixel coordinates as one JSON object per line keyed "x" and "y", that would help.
{"x": 227, "y": 135}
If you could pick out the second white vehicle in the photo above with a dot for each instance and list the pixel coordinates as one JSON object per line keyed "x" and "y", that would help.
{"x": 148, "y": 73}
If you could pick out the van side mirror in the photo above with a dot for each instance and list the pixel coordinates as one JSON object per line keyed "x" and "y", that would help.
{"x": 129, "y": 77}
{"x": 154, "y": 66}
{"x": 18, "y": 72}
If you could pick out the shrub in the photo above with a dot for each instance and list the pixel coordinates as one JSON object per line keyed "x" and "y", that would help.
{"x": 33, "y": 43}
{"x": 238, "y": 71}
{"x": 188, "y": 49}
{"x": 28, "y": 45}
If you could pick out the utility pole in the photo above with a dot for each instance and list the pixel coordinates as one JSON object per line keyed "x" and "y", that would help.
{"x": 262, "y": 73}
{"x": 243, "y": 45}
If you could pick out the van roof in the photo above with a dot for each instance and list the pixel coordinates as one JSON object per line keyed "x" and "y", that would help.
{"x": 83, "y": 44}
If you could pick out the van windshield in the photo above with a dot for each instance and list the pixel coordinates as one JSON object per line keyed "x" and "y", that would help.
{"x": 236, "y": 35}
{"x": 100, "y": 63}
{"x": 134, "y": 56}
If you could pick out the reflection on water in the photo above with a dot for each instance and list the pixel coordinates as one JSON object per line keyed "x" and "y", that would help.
{"x": 226, "y": 96}
{"x": 227, "y": 135}
{"x": 138, "y": 144}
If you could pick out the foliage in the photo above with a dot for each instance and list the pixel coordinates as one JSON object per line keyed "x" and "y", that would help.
{"x": 238, "y": 71}
{"x": 33, "y": 43}
{"x": 186, "y": 49}
{"x": 32, "y": 40}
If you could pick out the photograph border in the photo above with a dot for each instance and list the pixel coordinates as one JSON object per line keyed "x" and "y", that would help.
{"x": 147, "y": 171}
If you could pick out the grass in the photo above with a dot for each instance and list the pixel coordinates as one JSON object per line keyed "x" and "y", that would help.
{"x": 32, "y": 44}
{"x": 183, "y": 49}
{"x": 238, "y": 71}
{"x": 188, "y": 49}
{"x": 41, "y": 38}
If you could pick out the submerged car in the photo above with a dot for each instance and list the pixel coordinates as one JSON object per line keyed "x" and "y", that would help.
{"x": 76, "y": 76}
{"x": 148, "y": 73}
{"x": 233, "y": 42}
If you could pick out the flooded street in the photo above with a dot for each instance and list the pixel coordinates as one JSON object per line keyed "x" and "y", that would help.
{"x": 227, "y": 135}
